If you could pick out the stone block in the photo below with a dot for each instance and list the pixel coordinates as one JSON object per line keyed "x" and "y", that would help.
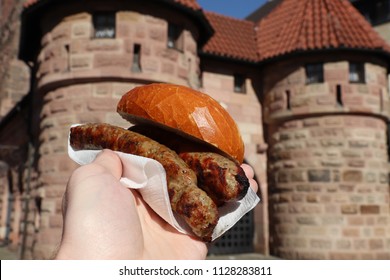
{"x": 332, "y": 220}
{"x": 321, "y": 244}
{"x": 110, "y": 59}
{"x": 376, "y": 244}
{"x": 351, "y": 232}
{"x": 129, "y": 16}
{"x": 168, "y": 68}
{"x": 158, "y": 33}
{"x": 103, "y": 45}
{"x": 369, "y": 209}
{"x": 150, "y": 65}
{"x": 61, "y": 32}
{"x": 349, "y": 209}
{"x": 342, "y": 255}
{"x": 81, "y": 62}
{"x": 318, "y": 175}
{"x": 123, "y": 30}
{"x": 59, "y": 106}
{"x": 102, "y": 90}
{"x": 102, "y": 104}
{"x": 353, "y": 176}
{"x": 307, "y": 220}
{"x": 81, "y": 30}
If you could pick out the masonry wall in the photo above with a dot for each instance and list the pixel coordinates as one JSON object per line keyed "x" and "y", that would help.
{"x": 14, "y": 74}
{"x": 245, "y": 108}
{"x": 80, "y": 79}
{"x": 328, "y": 162}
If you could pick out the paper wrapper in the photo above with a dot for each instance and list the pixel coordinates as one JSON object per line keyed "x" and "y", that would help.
{"x": 149, "y": 178}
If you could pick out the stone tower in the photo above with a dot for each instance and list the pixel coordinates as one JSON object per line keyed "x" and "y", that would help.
{"x": 86, "y": 56}
{"x": 325, "y": 103}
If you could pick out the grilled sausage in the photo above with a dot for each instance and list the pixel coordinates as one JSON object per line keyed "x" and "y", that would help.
{"x": 187, "y": 200}
{"x": 221, "y": 178}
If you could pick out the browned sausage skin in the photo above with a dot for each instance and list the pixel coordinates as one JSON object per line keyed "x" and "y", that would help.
{"x": 223, "y": 179}
{"x": 187, "y": 200}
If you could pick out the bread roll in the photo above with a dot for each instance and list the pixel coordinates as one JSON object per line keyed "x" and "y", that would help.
{"x": 184, "y": 111}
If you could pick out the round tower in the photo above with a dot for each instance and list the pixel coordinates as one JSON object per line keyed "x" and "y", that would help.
{"x": 86, "y": 56}
{"x": 326, "y": 106}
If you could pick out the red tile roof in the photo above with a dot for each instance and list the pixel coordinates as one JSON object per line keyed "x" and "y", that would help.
{"x": 189, "y": 3}
{"x": 233, "y": 38}
{"x": 315, "y": 25}
{"x": 292, "y": 26}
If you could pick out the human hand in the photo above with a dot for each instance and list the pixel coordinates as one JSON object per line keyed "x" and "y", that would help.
{"x": 105, "y": 220}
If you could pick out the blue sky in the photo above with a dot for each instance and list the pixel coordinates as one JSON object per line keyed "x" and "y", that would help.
{"x": 233, "y": 8}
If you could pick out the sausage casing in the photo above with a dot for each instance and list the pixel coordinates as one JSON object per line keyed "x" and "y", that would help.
{"x": 221, "y": 178}
{"x": 190, "y": 202}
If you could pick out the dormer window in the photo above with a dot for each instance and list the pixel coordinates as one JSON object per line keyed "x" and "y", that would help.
{"x": 314, "y": 73}
{"x": 239, "y": 83}
{"x": 175, "y": 36}
{"x": 104, "y": 25}
{"x": 356, "y": 72}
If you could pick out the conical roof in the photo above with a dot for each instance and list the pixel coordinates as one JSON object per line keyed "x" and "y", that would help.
{"x": 307, "y": 25}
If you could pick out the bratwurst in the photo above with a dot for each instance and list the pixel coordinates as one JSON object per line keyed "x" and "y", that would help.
{"x": 221, "y": 178}
{"x": 190, "y": 202}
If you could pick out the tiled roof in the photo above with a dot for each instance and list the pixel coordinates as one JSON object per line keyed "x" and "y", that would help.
{"x": 233, "y": 38}
{"x": 315, "y": 25}
{"x": 292, "y": 26}
{"x": 189, "y": 3}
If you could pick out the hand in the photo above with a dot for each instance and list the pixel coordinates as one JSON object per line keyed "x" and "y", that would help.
{"x": 105, "y": 220}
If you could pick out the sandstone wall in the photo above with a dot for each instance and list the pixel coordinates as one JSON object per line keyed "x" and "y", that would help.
{"x": 245, "y": 108}
{"x": 328, "y": 162}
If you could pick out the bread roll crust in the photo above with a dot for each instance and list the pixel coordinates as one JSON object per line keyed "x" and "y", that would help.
{"x": 184, "y": 109}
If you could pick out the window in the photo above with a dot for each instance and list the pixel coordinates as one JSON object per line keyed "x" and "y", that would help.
{"x": 288, "y": 99}
{"x": 356, "y": 72}
{"x": 136, "y": 65}
{"x": 104, "y": 25}
{"x": 339, "y": 98}
{"x": 239, "y": 83}
{"x": 314, "y": 73}
{"x": 175, "y": 38}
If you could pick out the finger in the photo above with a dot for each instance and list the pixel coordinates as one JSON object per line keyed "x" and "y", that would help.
{"x": 250, "y": 174}
{"x": 111, "y": 162}
{"x": 248, "y": 170}
{"x": 105, "y": 163}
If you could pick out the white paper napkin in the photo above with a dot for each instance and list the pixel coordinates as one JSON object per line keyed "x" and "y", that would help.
{"x": 149, "y": 178}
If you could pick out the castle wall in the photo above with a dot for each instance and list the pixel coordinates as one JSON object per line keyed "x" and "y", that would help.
{"x": 245, "y": 109}
{"x": 80, "y": 79}
{"x": 328, "y": 162}
{"x": 14, "y": 74}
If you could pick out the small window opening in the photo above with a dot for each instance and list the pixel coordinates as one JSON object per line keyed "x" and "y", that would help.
{"x": 136, "y": 65}
{"x": 288, "y": 99}
{"x": 104, "y": 25}
{"x": 314, "y": 73}
{"x": 239, "y": 83}
{"x": 175, "y": 38}
{"x": 339, "y": 97}
{"x": 356, "y": 72}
